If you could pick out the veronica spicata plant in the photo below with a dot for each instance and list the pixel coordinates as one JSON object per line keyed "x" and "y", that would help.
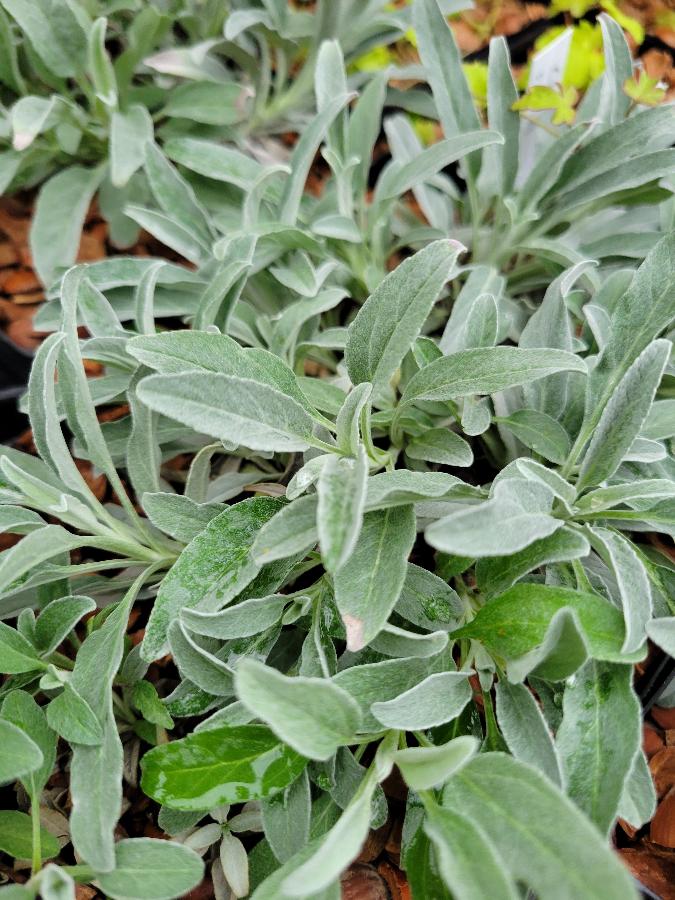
{"x": 414, "y": 531}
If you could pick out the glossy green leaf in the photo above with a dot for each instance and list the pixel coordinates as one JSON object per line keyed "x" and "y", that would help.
{"x": 220, "y": 765}
{"x": 516, "y": 621}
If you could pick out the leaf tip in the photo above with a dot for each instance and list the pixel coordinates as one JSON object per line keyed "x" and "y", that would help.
{"x": 354, "y": 629}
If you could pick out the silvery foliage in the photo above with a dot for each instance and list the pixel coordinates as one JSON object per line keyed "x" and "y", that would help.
{"x": 86, "y": 96}
{"x": 398, "y": 481}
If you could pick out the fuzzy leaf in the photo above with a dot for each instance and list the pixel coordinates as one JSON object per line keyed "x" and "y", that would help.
{"x": 312, "y": 715}
{"x": 485, "y": 371}
{"x": 154, "y": 869}
{"x": 204, "y": 576}
{"x": 342, "y": 493}
{"x": 390, "y": 320}
{"x": 544, "y": 841}
{"x": 599, "y": 738}
{"x": 369, "y": 583}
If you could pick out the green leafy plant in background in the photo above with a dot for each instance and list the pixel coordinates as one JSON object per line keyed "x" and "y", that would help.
{"x": 82, "y": 99}
{"x": 433, "y": 556}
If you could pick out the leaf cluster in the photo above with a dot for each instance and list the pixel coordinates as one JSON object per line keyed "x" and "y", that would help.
{"x": 428, "y": 454}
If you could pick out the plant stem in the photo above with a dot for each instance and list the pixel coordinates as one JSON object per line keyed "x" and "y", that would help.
{"x": 37, "y": 837}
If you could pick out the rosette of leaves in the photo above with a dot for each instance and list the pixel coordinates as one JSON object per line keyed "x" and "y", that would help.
{"x": 84, "y": 96}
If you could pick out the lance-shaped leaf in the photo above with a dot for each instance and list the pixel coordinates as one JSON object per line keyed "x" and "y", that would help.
{"x": 501, "y": 95}
{"x": 390, "y": 320}
{"x": 443, "y": 68}
{"x": 638, "y": 317}
{"x": 440, "y": 445}
{"x": 96, "y": 771}
{"x": 211, "y": 571}
{"x": 478, "y": 531}
{"x": 539, "y": 432}
{"x": 369, "y": 583}
{"x": 54, "y": 239}
{"x": 543, "y": 839}
{"x": 58, "y": 619}
{"x": 339, "y": 515}
{"x": 241, "y": 620}
{"x": 303, "y": 155}
{"x": 430, "y": 161}
{"x": 550, "y": 326}
{"x": 638, "y": 800}
{"x": 129, "y": 132}
{"x": 344, "y": 840}
{"x": 236, "y": 410}
{"x": 624, "y": 415}
{"x": 434, "y": 701}
{"x": 402, "y": 486}
{"x": 219, "y": 765}
{"x": 378, "y": 682}
{"x": 174, "y": 195}
{"x": 467, "y": 859}
{"x": 428, "y": 767}
{"x": 294, "y": 804}
{"x": 292, "y": 530}
{"x": 428, "y": 601}
{"x": 599, "y": 738}
{"x": 632, "y": 580}
{"x": 312, "y": 715}
{"x": 497, "y": 573}
{"x": 486, "y": 370}
{"x": 73, "y": 719}
{"x": 525, "y": 731}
